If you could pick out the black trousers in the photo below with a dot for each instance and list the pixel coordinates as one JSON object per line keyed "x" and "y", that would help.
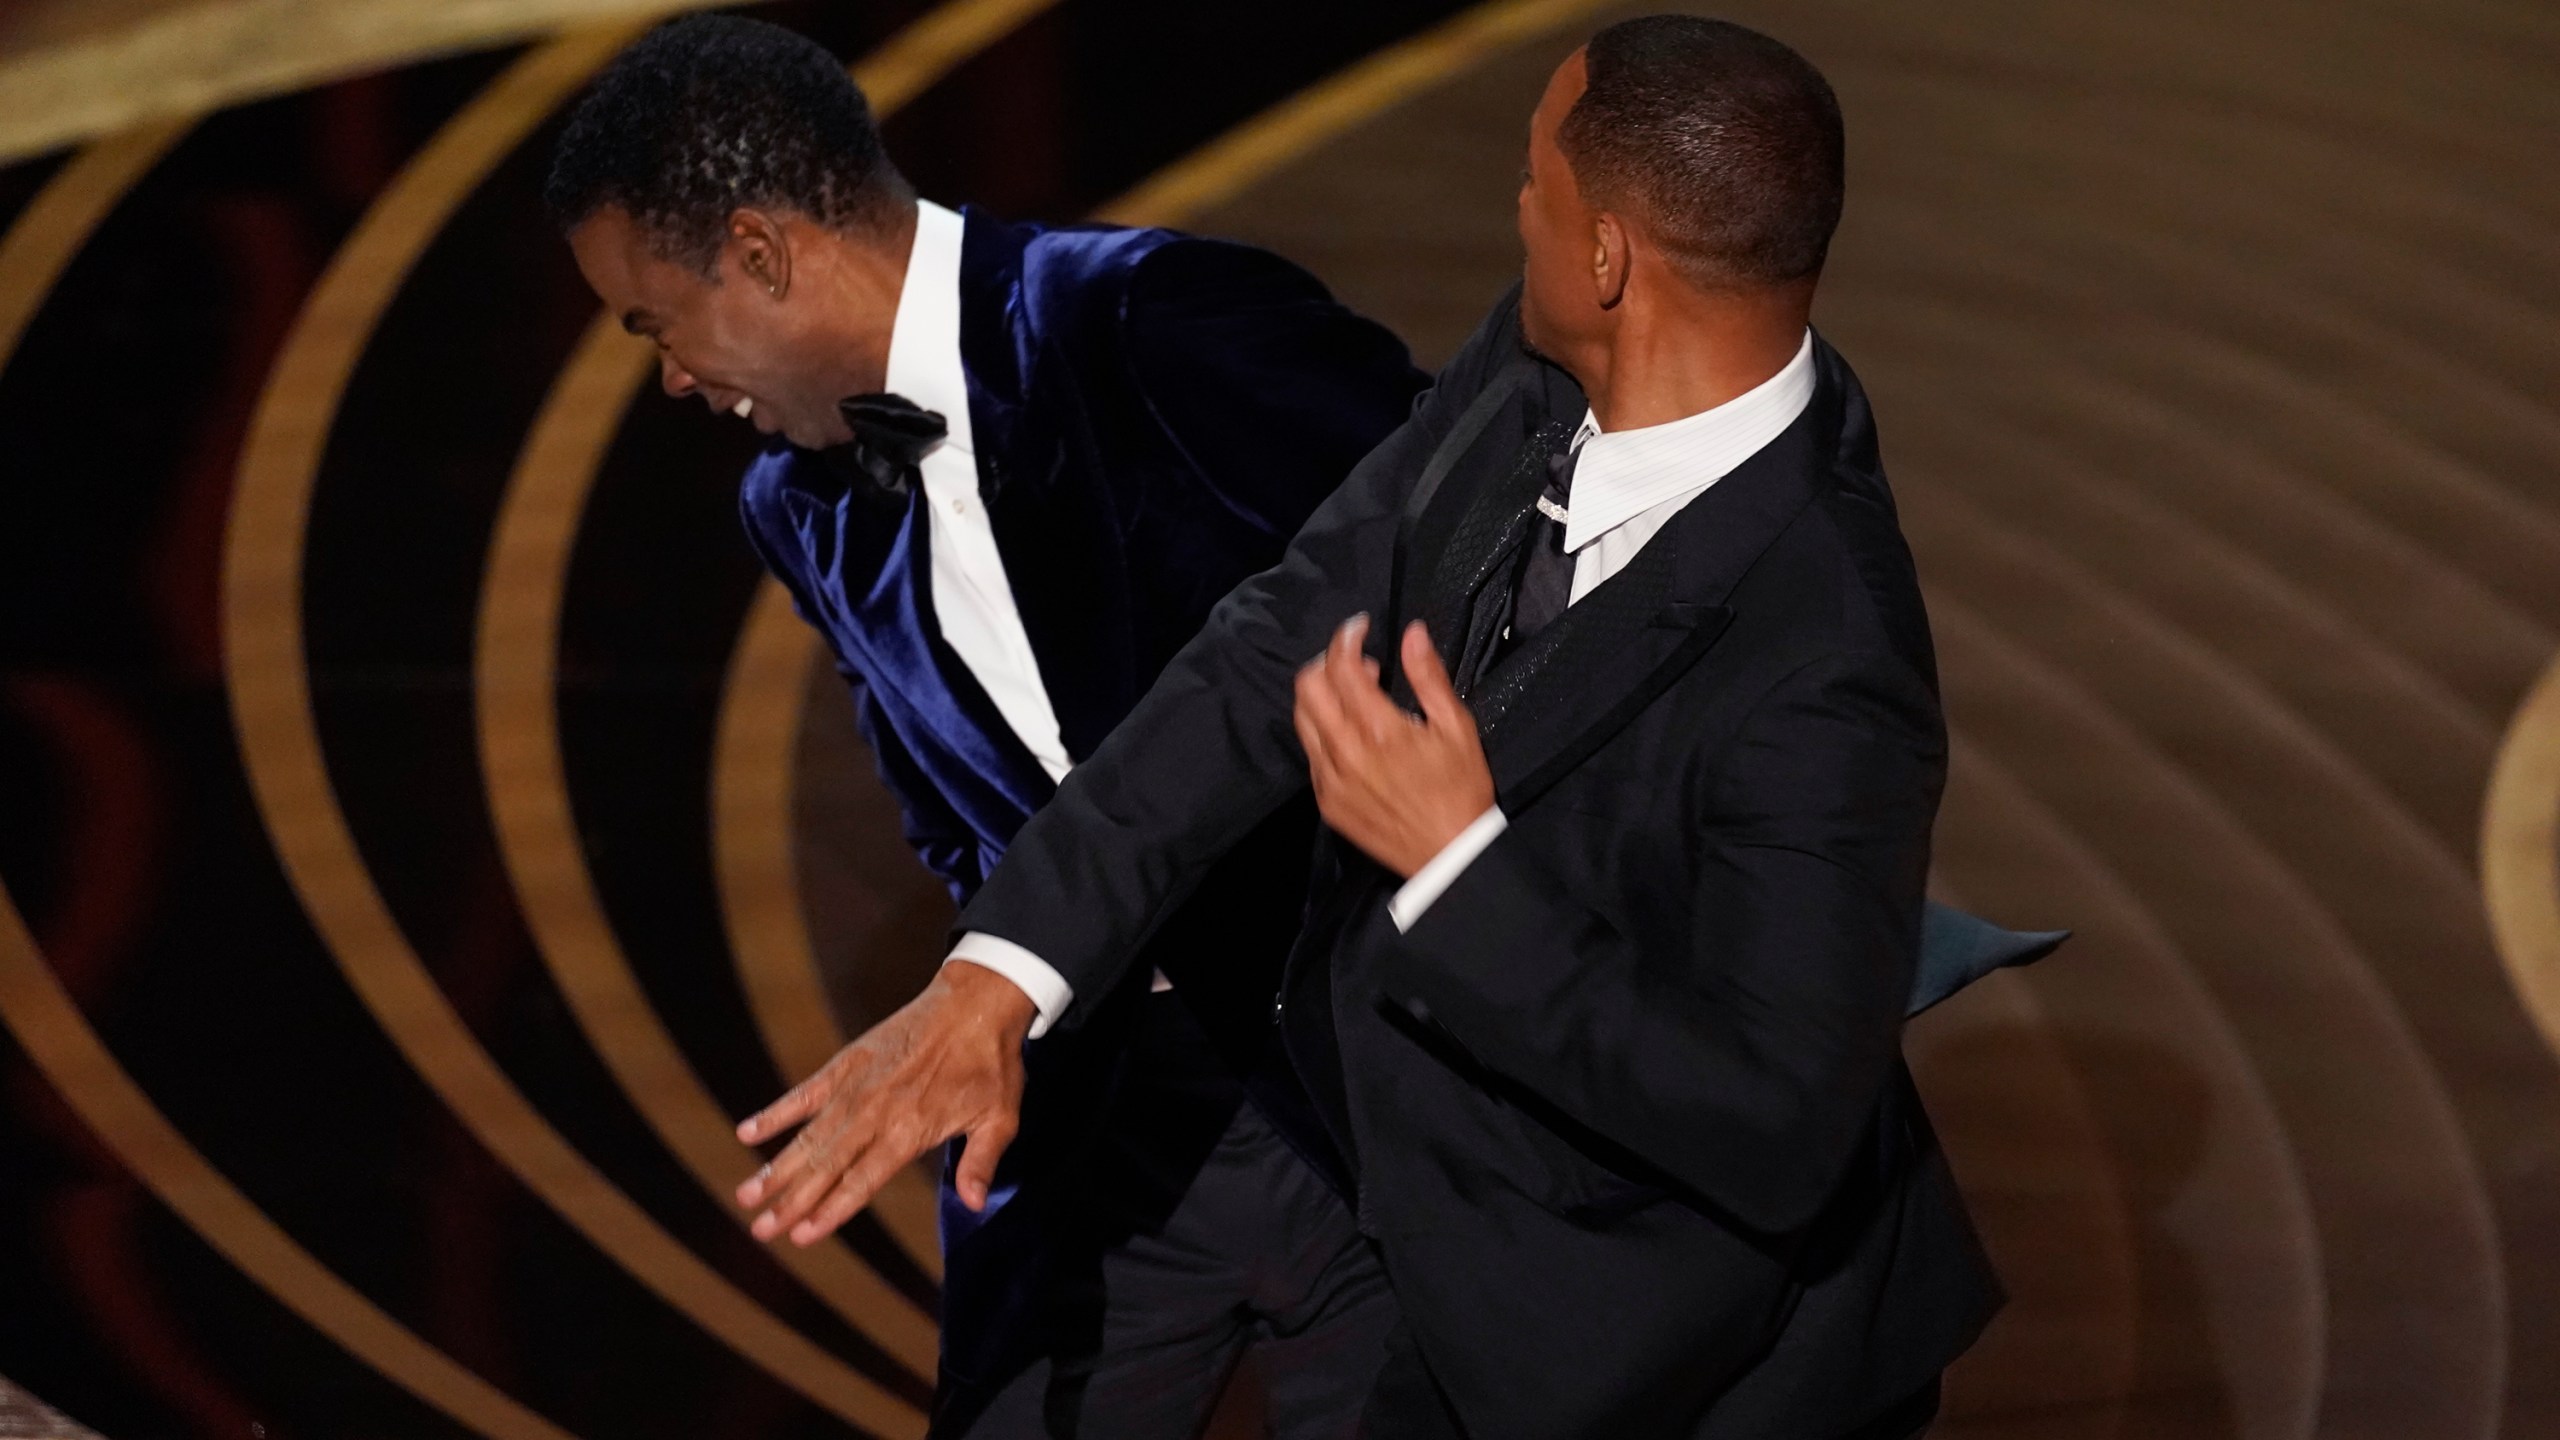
{"x": 1203, "y": 1236}
{"x": 1407, "y": 1404}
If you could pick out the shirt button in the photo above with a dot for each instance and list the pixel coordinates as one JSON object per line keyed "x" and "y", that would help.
{"x": 959, "y": 507}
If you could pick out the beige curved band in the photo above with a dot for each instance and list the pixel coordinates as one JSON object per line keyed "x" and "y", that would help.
{"x": 2520, "y": 853}
{"x": 58, "y": 1041}
{"x": 269, "y": 685}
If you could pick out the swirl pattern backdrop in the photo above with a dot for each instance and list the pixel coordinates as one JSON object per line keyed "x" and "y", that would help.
{"x": 421, "y": 830}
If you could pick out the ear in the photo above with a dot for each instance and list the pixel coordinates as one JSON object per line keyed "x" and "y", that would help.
{"x": 760, "y": 250}
{"x": 1612, "y": 256}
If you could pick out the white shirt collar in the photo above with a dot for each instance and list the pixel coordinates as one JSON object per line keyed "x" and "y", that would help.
{"x": 924, "y": 339}
{"x": 1621, "y": 474}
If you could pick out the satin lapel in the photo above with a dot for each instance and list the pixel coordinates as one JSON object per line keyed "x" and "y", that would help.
{"x": 885, "y": 576}
{"x": 1548, "y": 707}
{"x": 1051, "y": 513}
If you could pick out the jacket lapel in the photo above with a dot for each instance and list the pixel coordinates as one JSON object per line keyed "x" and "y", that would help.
{"x": 1052, "y": 518}
{"x": 876, "y": 563}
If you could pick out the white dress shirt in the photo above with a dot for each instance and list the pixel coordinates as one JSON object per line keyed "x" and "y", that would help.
{"x": 1626, "y": 486}
{"x": 972, "y": 600}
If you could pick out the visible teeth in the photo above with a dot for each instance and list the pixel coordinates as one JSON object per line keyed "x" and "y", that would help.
{"x": 742, "y": 408}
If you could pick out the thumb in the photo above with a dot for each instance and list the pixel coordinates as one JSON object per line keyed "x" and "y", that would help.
{"x": 1430, "y": 680}
{"x": 985, "y": 1144}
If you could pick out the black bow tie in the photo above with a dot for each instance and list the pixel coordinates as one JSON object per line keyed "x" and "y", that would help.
{"x": 890, "y": 435}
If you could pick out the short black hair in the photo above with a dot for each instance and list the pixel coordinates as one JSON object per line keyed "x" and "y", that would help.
{"x": 1722, "y": 142}
{"x": 709, "y": 113}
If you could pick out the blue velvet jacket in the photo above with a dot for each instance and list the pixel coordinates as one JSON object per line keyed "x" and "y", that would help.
{"x": 1154, "y": 414}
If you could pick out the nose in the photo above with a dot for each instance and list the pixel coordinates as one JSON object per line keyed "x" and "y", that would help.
{"x": 675, "y": 379}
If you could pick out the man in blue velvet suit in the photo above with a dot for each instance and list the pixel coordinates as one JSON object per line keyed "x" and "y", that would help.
{"x": 1012, "y": 469}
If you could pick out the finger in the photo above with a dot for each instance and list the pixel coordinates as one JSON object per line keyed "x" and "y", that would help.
{"x": 841, "y": 1204}
{"x": 797, "y": 1104}
{"x": 1430, "y": 680}
{"x": 975, "y": 1176}
{"x": 1348, "y": 637}
{"x": 1311, "y": 740}
{"x": 804, "y": 1192}
{"x": 859, "y": 1187}
{"x": 752, "y": 1189}
{"x": 1319, "y": 705}
{"x": 1365, "y": 703}
{"x": 778, "y": 1174}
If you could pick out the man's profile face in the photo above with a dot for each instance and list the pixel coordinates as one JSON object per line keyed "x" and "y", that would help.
{"x": 725, "y": 337}
{"x": 1559, "y": 300}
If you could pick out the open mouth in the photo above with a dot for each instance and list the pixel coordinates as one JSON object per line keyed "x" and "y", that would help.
{"x": 744, "y": 409}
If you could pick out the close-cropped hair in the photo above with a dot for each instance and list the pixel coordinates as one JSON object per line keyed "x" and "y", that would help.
{"x": 1725, "y": 145}
{"x": 708, "y": 114}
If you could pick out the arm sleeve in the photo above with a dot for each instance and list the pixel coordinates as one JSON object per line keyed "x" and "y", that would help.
{"x": 946, "y": 845}
{"x": 1210, "y": 750}
{"x": 1272, "y": 389}
{"x": 940, "y": 838}
{"x": 1747, "y": 1068}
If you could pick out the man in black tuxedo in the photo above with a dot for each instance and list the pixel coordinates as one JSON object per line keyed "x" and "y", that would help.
{"x": 1010, "y": 469}
{"x": 1615, "y": 921}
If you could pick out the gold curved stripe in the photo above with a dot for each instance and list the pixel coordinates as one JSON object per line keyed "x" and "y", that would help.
{"x": 938, "y": 43}
{"x": 757, "y": 752}
{"x": 2520, "y": 853}
{"x": 518, "y": 661}
{"x": 205, "y": 55}
{"x": 47, "y": 1021}
{"x": 59, "y": 1042}
{"x": 528, "y": 790}
{"x": 752, "y": 783}
{"x": 265, "y": 668}
{"x": 1227, "y": 166}
{"x": 53, "y": 227}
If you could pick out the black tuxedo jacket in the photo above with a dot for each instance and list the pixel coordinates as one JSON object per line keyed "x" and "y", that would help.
{"x": 1627, "y": 1107}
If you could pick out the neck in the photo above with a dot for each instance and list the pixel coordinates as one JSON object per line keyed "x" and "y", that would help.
{"x": 1671, "y": 356}
{"x": 861, "y": 277}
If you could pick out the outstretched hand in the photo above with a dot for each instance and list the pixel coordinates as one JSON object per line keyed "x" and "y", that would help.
{"x": 1400, "y": 786}
{"x": 947, "y": 1063}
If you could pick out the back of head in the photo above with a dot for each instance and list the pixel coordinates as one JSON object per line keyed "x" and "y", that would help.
{"x": 1722, "y": 143}
{"x": 712, "y": 113}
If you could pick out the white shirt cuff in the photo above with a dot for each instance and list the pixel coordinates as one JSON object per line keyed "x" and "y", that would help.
{"x": 1443, "y": 869}
{"x": 1030, "y": 974}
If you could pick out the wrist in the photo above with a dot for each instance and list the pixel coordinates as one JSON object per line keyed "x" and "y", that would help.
{"x": 988, "y": 997}
{"x": 1445, "y": 832}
